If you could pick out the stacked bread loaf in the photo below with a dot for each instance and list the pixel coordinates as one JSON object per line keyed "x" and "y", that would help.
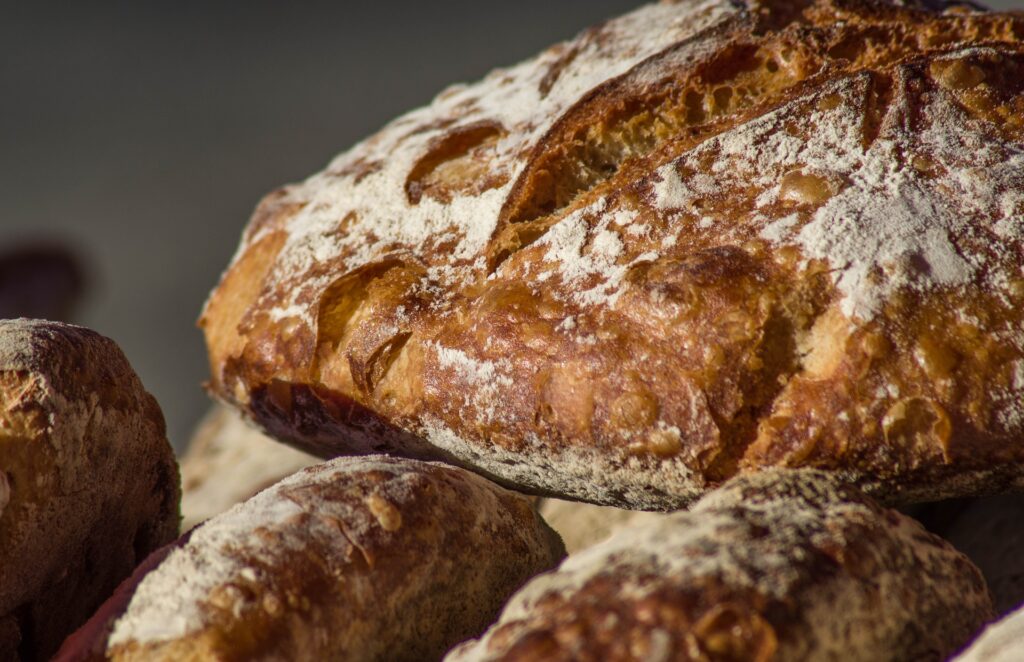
{"x": 699, "y": 240}
{"x": 761, "y": 259}
{"x": 783, "y": 565}
{"x": 88, "y": 482}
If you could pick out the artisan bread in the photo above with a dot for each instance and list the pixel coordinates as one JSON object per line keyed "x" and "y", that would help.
{"x": 1000, "y": 642}
{"x": 783, "y": 565}
{"x": 228, "y": 461}
{"x": 701, "y": 239}
{"x": 44, "y": 281}
{"x": 88, "y": 481}
{"x": 359, "y": 559}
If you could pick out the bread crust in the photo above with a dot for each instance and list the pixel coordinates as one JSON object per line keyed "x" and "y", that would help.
{"x": 988, "y": 530}
{"x": 374, "y": 558}
{"x": 88, "y": 481}
{"x": 701, "y": 239}
{"x": 782, "y": 565}
{"x": 583, "y": 525}
{"x": 227, "y": 462}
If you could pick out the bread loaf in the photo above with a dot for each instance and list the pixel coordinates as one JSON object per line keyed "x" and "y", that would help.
{"x": 701, "y": 239}
{"x": 786, "y": 565}
{"x": 227, "y": 462}
{"x": 1001, "y": 642}
{"x": 88, "y": 481}
{"x": 356, "y": 559}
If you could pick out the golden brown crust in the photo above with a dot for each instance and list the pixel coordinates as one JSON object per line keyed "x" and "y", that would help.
{"x": 88, "y": 481}
{"x": 988, "y": 530}
{"x": 783, "y": 565}
{"x": 357, "y": 558}
{"x": 697, "y": 240}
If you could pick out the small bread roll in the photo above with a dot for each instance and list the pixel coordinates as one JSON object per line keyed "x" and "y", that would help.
{"x": 785, "y": 565}
{"x": 1000, "y": 642}
{"x": 371, "y": 558}
{"x": 227, "y": 462}
{"x": 88, "y": 481}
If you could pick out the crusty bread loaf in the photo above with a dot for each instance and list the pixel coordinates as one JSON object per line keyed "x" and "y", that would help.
{"x": 1000, "y": 642}
{"x": 227, "y": 462}
{"x": 88, "y": 482}
{"x": 786, "y": 565}
{"x": 700, "y": 239}
{"x": 357, "y": 559}
{"x": 583, "y": 525}
{"x": 990, "y": 531}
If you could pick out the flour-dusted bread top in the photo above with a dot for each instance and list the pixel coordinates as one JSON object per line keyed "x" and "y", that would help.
{"x": 88, "y": 481}
{"x": 785, "y": 565}
{"x": 989, "y": 531}
{"x": 373, "y": 558}
{"x": 703, "y": 238}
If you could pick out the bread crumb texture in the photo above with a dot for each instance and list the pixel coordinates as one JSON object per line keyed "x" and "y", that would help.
{"x": 700, "y": 239}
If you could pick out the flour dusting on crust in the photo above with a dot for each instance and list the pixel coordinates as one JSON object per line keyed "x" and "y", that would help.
{"x": 363, "y": 181}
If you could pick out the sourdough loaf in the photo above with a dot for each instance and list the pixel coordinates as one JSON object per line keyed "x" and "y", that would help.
{"x": 701, "y": 239}
{"x": 784, "y": 565}
{"x": 227, "y": 462}
{"x": 88, "y": 481}
{"x": 372, "y": 558}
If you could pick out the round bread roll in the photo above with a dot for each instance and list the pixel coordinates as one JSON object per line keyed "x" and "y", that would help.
{"x": 1000, "y": 642}
{"x": 88, "y": 481}
{"x": 785, "y": 565}
{"x": 698, "y": 240}
{"x": 358, "y": 559}
{"x": 227, "y": 462}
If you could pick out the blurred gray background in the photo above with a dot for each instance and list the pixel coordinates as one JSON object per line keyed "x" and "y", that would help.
{"x": 142, "y": 134}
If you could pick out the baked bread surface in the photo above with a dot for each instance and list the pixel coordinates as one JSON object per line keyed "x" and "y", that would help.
{"x": 373, "y": 558}
{"x": 88, "y": 481}
{"x": 700, "y": 239}
{"x": 783, "y": 565}
{"x": 227, "y": 462}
